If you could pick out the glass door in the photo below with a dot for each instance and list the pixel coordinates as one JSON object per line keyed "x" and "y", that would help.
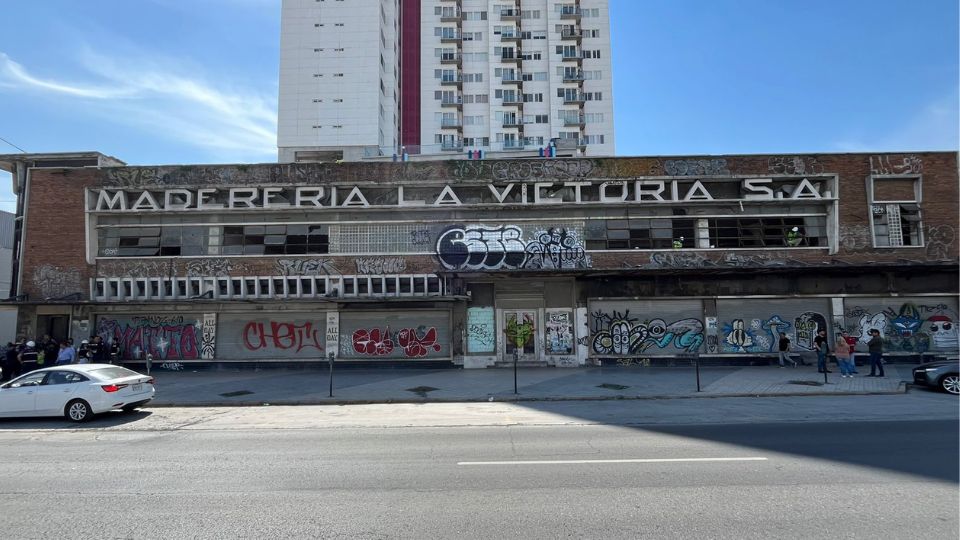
{"x": 519, "y": 331}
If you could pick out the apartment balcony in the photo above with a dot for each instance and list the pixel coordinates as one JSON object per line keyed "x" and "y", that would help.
{"x": 574, "y": 121}
{"x": 451, "y": 37}
{"x": 516, "y": 78}
{"x": 452, "y": 81}
{"x": 510, "y": 14}
{"x": 510, "y": 101}
{"x": 510, "y": 36}
{"x": 511, "y": 58}
{"x": 451, "y": 123}
{"x": 455, "y": 102}
{"x": 578, "y": 58}
{"x": 571, "y": 77}
{"x": 451, "y": 58}
{"x": 450, "y": 15}
{"x": 513, "y": 122}
{"x": 571, "y": 34}
{"x": 451, "y": 146}
{"x": 573, "y": 99}
{"x": 513, "y": 145}
{"x": 571, "y": 13}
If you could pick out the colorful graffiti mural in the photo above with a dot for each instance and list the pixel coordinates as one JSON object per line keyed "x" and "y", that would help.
{"x": 622, "y": 334}
{"x": 413, "y": 342}
{"x": 163, "y": 337}
{"x": 520, "y": 330}
{"x": 908, "y": 327}
{"x": 761, "y": 335}
{"x": 559, "y": 332}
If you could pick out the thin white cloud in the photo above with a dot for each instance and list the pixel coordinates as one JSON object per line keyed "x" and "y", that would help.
{"x": 933, "y": 127}
{"x": 139, "y": 92}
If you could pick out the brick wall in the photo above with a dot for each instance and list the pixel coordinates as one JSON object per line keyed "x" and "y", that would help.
{"x": 54, "y": 259}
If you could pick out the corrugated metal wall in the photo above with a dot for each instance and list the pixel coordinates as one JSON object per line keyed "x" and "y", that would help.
{"x": 908, "y": 324}
{"x": 259, "y": 336}
{"x": 753, "y": 326}
{"x": 401, "y": 335}
{"x": 624, "y": 328}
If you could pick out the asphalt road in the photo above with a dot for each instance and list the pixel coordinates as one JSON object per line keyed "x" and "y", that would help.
{"x": 491, "y": 471}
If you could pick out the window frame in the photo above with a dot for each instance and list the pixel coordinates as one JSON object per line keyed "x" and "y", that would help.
{"x": 917, "y": 200}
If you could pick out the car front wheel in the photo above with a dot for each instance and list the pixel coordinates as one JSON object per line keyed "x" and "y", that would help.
{"x": 950, "y": 383}
{"x": 78, "y": 410}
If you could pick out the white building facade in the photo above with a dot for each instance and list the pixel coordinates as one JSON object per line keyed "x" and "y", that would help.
{"x": 515, "y": 77}
{"x": 338, "y": 79}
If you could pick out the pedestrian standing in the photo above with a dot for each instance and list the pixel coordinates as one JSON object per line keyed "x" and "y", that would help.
{"x": 875, "y": 346}
{"x": 67, "y": 355}
{"x": 115, "y": 353}
{"x": 98, "y": 353}
{"x": 11, "y": 364}
{"x": 83, "y": 353}
{"x": 842, "y": 352}
{"x": 822, "y": 351}
{"x": 852, "y": 345}
{"x": 28, "y": 358}
{"x": 51, "y": 350}
{"x": 784, "y": 348}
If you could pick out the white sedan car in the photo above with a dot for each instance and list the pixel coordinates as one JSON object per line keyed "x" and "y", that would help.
{"x": 77, "y": 391}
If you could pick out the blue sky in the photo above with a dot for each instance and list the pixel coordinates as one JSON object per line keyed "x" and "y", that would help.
{"x": 195, "y": 81}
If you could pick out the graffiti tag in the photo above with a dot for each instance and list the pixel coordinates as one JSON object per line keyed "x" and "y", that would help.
{"x": 282, "y": 336}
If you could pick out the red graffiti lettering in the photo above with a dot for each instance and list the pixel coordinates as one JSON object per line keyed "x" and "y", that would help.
{"x": 417, "y": 346}
{"x": 281, "y": 335}
{"x": 414, "y": 343}
{"x": 374, "y": 342}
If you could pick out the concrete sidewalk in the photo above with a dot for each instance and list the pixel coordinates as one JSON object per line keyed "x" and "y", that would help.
{"x": 411, "y": 385}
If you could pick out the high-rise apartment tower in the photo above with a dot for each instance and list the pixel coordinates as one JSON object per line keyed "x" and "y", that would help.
{"x": 370, "y": 78}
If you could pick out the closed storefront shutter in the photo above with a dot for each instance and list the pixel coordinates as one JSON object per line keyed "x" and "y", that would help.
{"x": 394, "y": 335}
{"x": 265, "y": 336}
{"x": 910, "y": 325}
{"x": 754, "y": 326}
{"x": 162, "y": 336}
{"x": 625, "y": 328}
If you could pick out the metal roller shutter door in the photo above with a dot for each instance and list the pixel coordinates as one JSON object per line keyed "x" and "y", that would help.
{"x": 753, "y": 326}
{"x": 626, "y": 328}
{"x": 162, "y": 336}
{"x": 276, "y": 336}
{"x": 394, "y": 335}
{"x": 909, "y": 325}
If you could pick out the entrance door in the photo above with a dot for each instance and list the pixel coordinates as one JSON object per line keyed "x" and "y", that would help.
{"x": 57, "y": 326}
{"x": 520, "y": 334}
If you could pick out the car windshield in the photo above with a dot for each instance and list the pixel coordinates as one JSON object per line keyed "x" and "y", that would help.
{"x": 113, "y": 372}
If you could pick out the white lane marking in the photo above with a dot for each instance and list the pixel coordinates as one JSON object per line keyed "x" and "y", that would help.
{"x": 591, "y": 461}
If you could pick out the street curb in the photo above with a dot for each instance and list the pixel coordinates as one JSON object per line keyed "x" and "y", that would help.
{"x": 902, "y": 389}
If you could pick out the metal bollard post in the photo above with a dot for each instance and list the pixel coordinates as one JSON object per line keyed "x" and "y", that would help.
{"x": 516, "y": 360}
{"x": 697, "y": 359}
{"x": 330, "y": 361}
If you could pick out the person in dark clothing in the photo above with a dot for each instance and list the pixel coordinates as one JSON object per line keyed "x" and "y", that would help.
{"x": 11, "y": 364}
{"x": 875, "y": 346}
{"x": 822, "y": 351}
{"x": 83, "y": 352}
{"x": 51, "y": 349}
{"x": 784, "y": 348}
{"x": 28, "y": 358}
{"x": 93, "y": 350}
{"x": 98, "y": 351}
{"x": 115, "y": 353}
